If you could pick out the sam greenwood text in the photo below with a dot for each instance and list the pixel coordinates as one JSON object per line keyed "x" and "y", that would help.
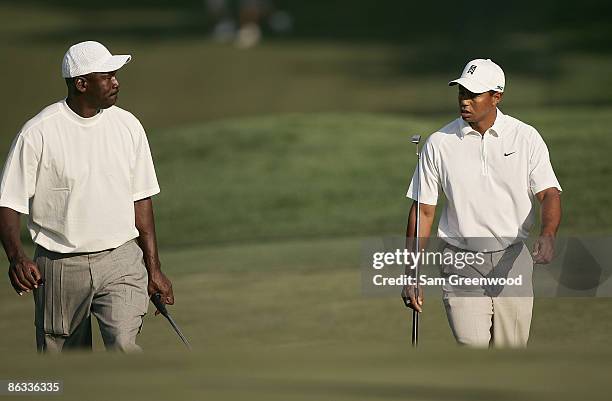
{"x": 454, "y": 280}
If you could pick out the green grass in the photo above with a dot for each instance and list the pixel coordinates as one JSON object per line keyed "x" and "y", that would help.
{"x": 287, "y": 321}
{"x": 319, "y": 175}
{"x": 384, "y": 372}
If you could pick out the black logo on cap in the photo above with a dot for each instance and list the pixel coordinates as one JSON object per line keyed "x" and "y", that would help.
{"x": 471, "y": 69}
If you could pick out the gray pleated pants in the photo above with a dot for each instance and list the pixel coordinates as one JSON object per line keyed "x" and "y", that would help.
{"x": 111, "y": 285}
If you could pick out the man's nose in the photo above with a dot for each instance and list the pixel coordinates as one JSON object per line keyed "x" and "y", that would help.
{"x": 115, "y": 83}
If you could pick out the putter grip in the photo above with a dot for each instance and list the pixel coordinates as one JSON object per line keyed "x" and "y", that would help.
{"x": 159, "y": 303}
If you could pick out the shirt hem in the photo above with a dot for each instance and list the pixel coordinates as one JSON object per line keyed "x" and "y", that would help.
{"x": 111, "y": 244}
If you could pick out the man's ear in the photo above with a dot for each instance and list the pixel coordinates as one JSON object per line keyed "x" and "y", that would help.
{"x": 497, "y": 97}
{"x": 80, "y": 84}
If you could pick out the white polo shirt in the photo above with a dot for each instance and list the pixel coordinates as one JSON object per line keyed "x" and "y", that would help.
{"x": 489, "y": 180}
{"x": 78, "y": 178}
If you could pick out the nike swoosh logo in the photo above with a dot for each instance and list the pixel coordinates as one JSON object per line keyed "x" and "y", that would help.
{"x": 508, "y": 154}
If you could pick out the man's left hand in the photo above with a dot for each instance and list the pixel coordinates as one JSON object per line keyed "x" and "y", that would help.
{"x": 158, "y": 282}
{"x": 544, "y": 249}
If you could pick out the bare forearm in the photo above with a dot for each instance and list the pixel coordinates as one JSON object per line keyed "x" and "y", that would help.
{"x": 147, "y": 240}
{"x": 427, "y": 213}
{"x": 10, "y": 233}
{"x": 425, "y": 223}
{"x": 551, "y": 213}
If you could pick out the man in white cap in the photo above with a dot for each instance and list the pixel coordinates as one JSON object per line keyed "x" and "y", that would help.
{"x": 493, "y": 169}
{"x": 83, "y": 173}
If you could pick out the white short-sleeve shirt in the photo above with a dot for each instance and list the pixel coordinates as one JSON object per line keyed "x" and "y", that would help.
{"x": 78, "y": 178}
{"x": 489, "y": 180}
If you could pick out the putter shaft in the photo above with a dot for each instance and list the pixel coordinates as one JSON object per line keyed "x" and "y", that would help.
{"x": 178, "y": 331}
{"x": 416, "y": 139}
{"x": 415, "y": 328}
{"x": 161, "y": 307}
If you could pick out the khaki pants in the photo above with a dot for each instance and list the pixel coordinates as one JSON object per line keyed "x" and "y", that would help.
{"x": 481, "y": 316}
{"x": 111, "y": 285}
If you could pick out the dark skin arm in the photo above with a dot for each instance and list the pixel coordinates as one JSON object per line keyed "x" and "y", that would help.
{"x": 427, "y": 213}
{"x": 145, "y": 223}
{"x": 550, "y": 205}
{"x": 22, "y": 272}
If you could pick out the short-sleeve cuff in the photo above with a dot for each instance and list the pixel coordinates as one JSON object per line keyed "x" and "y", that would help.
{"x": 145, "y": 194}
{"x": 15, "y": 206}
{"x": 542, "y": 187}
{"x": 423, "y": 199}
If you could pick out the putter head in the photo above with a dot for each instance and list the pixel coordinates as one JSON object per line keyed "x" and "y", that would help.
{"x": 415, "y": 139}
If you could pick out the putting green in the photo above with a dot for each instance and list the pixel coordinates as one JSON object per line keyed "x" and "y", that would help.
{"x": 287, "y": 321}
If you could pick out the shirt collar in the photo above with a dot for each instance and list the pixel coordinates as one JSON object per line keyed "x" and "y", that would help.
{"x": 85, "y": 121}
{"x": 495, "y": 130}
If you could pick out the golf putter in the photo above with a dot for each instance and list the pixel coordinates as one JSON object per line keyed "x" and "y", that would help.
{"x": 416, "y": 139}
{"x": 161, "y": 307}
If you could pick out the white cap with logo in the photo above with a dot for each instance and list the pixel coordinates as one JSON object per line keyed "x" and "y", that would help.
{"x": 90, "y": 56}
{"x": 481, "y": 76}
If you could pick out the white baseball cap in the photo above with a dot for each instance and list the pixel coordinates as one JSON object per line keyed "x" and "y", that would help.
{"x": 481, "y": 76}
{"x": 90, "y": 56}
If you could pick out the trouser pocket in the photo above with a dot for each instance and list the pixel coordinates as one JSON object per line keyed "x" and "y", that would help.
{"x": 50, "y": 313}
{"x": 134, "y": 276}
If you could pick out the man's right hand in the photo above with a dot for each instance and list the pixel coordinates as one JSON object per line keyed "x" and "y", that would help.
{"x": 159, "y": 283}
{"x": 24, "y": 275}
{"x": 409, "y": 295}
